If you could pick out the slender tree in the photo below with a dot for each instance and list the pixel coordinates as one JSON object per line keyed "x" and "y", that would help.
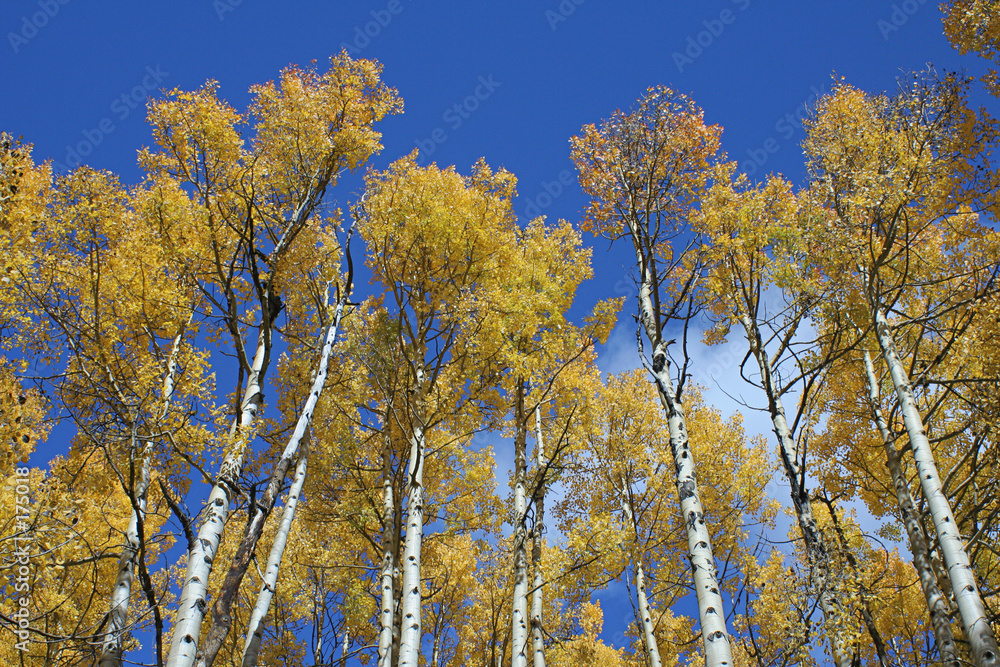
{"x": 643, "y": 171}
{"x": 887, "y": 172}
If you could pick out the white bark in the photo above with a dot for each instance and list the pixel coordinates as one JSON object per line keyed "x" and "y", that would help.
{"x": 343, "y": 647}
{"x": 193, "y": 598}
{"x": 255, "y": 628}
{"x": 387, "y": 577}
{"x": 410, "y": 634}
{"x": 970, "y": 605}
{"x": 644, "y": 615}
{"x": 436, "y": 650}
{"x": 519, "y": 606}
{"x": 711, "y": 610}
{"x": 222, "y": 613}
{"x": 537, "y": 641}
{"x": 817, "y": 553}
{"x": 937, "y": 604}
{"x": 111, "y": 652}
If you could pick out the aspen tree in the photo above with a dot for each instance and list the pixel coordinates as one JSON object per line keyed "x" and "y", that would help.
{"x": 974, "y": 26}
{"x": 537, "y": 345}
{"x": 752, "y": 248}
{"x": 887, "y": 171}
{"x": 249, "y": 212}
{"x": 937, "y": 604}
{"x": 643, "y": 171}
{"x": 435, "y": 241}
{"x": 222, "y": 610}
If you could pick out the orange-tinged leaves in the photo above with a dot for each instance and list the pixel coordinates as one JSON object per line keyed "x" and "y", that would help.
{"x": 651, "y": 161}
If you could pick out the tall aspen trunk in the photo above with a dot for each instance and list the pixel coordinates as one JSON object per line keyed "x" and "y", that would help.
{"x": 644, "y": 615}
{"x": 193, "y": 598}
{"x": 816, "y": 548}
{"x": 222, "y": 619}
{"x": 111, "y": 651}
{"x": 343, "y": 647}
{"x": 711, "y": 610}
{"x": 387, "y": 576}
{"x": 436, "y": 649}
{"x": 970, "y": 605}
{"x": 397, "y": 574}
{"x": 937, "y": 604}
{"x": 194, "y": 595}
{"x": 537, "y": 640}
{"x": 519, "y": 606}
{"x": 255, "y": 628}
{"x": 410, "y": 631}
{"x": 319, "y": 618}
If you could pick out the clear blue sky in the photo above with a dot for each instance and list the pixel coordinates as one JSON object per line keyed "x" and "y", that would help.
{"x": 511, "y": 81}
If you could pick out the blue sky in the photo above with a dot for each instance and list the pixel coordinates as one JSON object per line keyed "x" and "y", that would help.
{"x": 509, "y": 81}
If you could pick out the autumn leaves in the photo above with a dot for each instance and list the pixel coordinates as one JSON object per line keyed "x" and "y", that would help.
{"x": 882, "y": 241}
{"x": 866, "y": 299}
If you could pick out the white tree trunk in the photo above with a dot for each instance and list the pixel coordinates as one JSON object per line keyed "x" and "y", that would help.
{"x": 222, "y": 612}
{"x": 255, "y": 628}
{"x": 387, "y": 608}
{"x": 817, "y": 553}
{"x": 537, "y": 640}
{"x": 970, "y": 605}
{"x": 193, "y": 598}
{"x": 711, "y": 610}
{"x": 111, "y": 652}
{"x": 410, "y": 634}
{"x": 644, "y": 615}
{"x": 937, "y": 604}
{"x": 436, "y": 650}
{"x": 343, "y": 647}
{"x": 519, "y": 606}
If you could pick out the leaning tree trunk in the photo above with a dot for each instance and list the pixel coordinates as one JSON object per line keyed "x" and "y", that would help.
{"x": 817, "y": 553}
{"x": 194, "y": 595}
{"x": 519, "y": 601}
{"x": 111, "y": 651}
{"x": 711, "y": 610}
{"x": 410, "y": 633}
{"x": 193, "y": 598}
{"x": 937, "y": 603}
{"x": 537, "y": 640}
{"x": 970, "y": 605}
{"x": 222, "y": 619}
{"x": 255, "y": 628}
